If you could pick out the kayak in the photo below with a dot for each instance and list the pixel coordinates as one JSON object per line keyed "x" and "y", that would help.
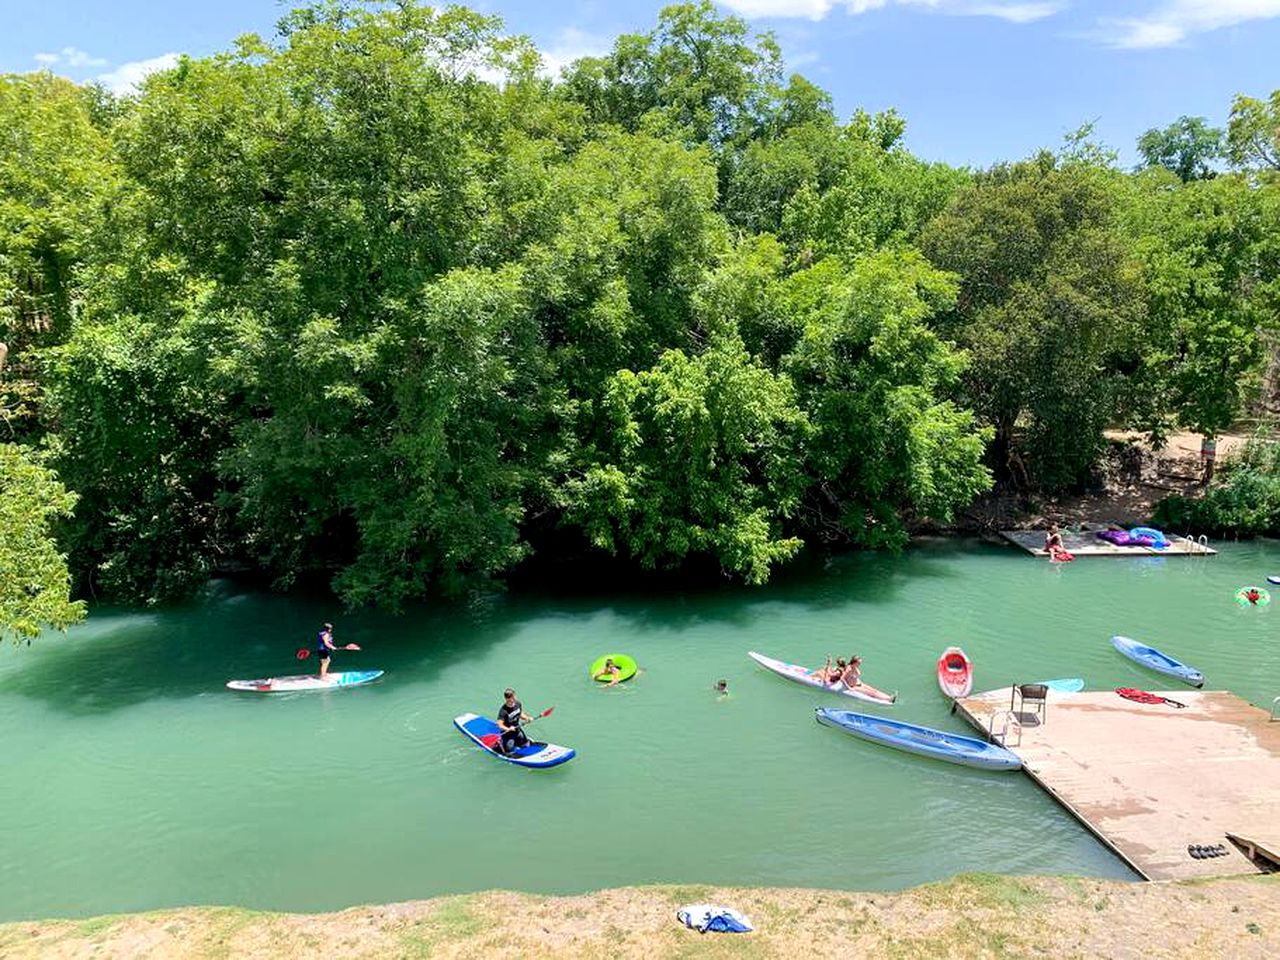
{"x": 309, "y": 681}
{"x": 485, "y": 733}
{"x": 626, "y": 667}
{"x": 925, "y": 741}
{"x": 803, "y": 675}
{"x": 1158, "y": 661}
{"x": 1063, "y": 685}
{"x": 955, "y": 673}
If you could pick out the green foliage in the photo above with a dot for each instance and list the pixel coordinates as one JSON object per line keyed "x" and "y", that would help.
{"x": 1244, "y": 500}
{"x": 1187, "y": 148}
{"x": 1050, "y": 309}
{"x": 34, "y": 583}
{"x": 55, "y": 174}
{"x": 1209, "y": 255}
{"x": 1253, "y": 133}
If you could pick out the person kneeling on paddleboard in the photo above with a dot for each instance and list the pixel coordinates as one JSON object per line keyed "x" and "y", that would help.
{"x": 510, "y": 715}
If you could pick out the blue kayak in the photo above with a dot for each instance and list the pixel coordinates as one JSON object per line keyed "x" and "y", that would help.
{"x": 1153, "y": 659}
{"x": 1064, "y": 684}
{"x": 485, "y": 734}
{"x": 925, "y": 741}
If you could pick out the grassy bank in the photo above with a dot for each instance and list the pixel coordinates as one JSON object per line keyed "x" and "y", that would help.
{"x": 975, "y": 915}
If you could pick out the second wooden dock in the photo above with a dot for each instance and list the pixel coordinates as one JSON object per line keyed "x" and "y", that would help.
{"x": 1154, "y": 782}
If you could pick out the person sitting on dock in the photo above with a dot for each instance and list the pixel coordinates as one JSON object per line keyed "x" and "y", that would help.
{"x": 1053, "y": 545}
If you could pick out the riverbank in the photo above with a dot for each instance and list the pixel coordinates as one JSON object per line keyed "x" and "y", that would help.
{"x": 973, "y": 915}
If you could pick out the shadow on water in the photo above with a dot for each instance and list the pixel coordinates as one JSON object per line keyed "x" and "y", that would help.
{"x": 120, "y": 658}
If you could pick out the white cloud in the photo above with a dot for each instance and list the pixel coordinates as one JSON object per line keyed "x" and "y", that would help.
{"x": 1014, "y": 12}
{"x": 126, "y": 77}
{"x": 1173, "y": 20}
{"x": 70, "y": 57}
{"x": 571, "y": 44}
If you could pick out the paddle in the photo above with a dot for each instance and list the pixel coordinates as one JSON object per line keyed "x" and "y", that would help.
{"x": 304, "y": 652}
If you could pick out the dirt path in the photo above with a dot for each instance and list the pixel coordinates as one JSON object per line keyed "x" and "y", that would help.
{"x": 969, "y": 916}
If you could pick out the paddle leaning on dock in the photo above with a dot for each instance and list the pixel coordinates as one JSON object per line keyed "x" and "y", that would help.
{"x": 926, "y": 741}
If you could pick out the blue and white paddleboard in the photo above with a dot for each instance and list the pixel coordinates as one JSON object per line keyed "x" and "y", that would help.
{"x": 310, "y": 681}
{"x": 1064, "y": 684}
{"x": 485, "y": 733}
{"x": 1156, "y": 660}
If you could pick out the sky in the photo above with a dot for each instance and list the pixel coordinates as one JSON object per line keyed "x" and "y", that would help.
{"x": 978, "y": 81}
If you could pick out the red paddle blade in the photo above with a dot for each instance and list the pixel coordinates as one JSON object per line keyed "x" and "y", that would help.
{"x": 546, "y": 712}
{"x": 303, "y": 653}
{"x": 352, "y": 646}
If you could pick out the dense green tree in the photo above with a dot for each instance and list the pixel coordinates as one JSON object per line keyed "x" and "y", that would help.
{"x": 56, "y": 172}
{"x": 1188, "y": 147}
{"x": 1050, "y": 308}
{"x": 1253, "y": 134}
{"x": 34, "y": 582}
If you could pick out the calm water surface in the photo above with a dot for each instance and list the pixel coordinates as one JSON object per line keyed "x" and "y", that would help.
{"x": 132, "y": 779}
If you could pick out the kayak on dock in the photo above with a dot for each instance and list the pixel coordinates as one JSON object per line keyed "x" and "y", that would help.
{"x": 955, "y": 673}
{"x": 309, "y": 681}
{"x": 803, "y": 675}
{"x": 969, "y": 751}
{"x": 1064, "y": 684}
{"x": 1156, "y": 660}
{"x": 485, "y": 733}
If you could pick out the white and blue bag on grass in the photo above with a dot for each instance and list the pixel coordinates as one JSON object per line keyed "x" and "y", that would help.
{"x": 705, "y": 916}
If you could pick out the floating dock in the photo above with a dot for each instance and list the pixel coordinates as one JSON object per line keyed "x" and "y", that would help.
{"x": 1087, "y": 544}
{"x": 1152, "y": 780}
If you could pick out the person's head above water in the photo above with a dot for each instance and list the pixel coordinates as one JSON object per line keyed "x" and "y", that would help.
{"x": 722, "y": 684}
{"x": 508, "y": 694}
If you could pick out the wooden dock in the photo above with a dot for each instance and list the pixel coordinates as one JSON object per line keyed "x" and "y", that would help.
{"x": 1152, "y": 780}
{"x": 1087, "y": 544}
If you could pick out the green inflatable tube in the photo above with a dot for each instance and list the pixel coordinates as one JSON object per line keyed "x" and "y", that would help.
{"x": 621, "y": 660}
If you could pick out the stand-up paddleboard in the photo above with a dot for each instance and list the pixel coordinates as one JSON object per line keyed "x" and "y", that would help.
{"x": 1064, "y": 684}
{"x": 955, "y": 673}
{"x": 802, "y": 675}
{"x": 486, "y": 733}
{"x": 310, "y": 681}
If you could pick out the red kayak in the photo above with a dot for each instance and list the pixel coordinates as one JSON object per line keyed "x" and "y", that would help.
{"x": 955, "y": 673}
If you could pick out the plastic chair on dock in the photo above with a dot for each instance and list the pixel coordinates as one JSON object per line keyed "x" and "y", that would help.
{"x": 1033, "y": 697}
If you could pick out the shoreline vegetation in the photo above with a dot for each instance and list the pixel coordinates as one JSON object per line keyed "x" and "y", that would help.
{"x": 334, "y": 303}
{"x": 970, "y": 915}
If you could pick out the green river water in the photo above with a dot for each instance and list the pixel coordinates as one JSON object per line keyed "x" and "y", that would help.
{"x": 133, "y": 780}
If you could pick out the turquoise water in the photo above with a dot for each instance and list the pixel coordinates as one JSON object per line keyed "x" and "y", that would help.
{"x": 134, "y": 780}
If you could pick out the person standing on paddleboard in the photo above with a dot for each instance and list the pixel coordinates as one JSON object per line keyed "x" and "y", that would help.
{"x": 510, "y": 715}
{"x": 324, "y": 647}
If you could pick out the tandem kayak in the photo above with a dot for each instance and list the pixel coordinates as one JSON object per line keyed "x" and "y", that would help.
{"x": 803, "y": 675}
{"x": 485, "y": 733}
{"x": 955, "y": 673}
{"x": 1158, "y": 661}
{"x": 309, "y": 681}
{"x": 925, "y": 741}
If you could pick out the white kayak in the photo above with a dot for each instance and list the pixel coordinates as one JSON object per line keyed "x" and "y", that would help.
{"x": 803, "y": 675}
{"x": 310, "y": 681}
